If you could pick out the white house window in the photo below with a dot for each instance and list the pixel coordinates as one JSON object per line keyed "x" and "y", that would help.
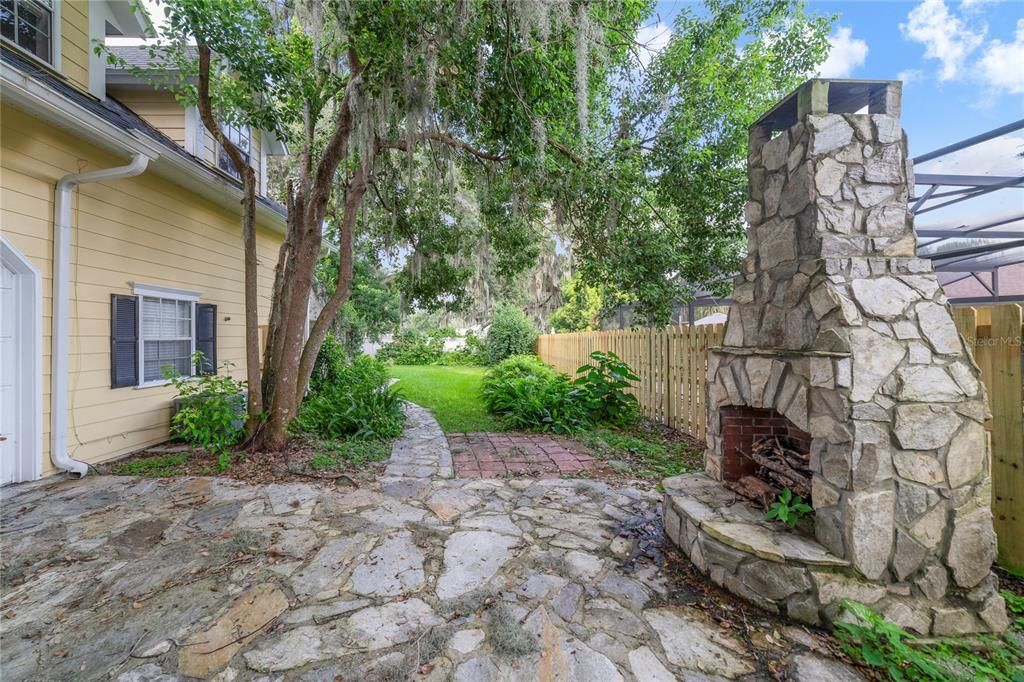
{"x": 241, "y": 136}
{"x": 167, "y": 337}
{"x": 29, "y": 25}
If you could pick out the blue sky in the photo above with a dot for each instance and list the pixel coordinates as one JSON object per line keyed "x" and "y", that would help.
{"x": 962, "y": 63}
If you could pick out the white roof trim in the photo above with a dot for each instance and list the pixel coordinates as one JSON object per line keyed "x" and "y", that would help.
{"x": 160, "y": 291}
{"x": 27, "y": 94}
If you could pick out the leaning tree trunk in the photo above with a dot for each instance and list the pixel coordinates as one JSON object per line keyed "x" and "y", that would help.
{"x": 251, "y": 267}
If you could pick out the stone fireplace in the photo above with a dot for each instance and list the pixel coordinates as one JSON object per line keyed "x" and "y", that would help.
{"x": 840, "y": 340}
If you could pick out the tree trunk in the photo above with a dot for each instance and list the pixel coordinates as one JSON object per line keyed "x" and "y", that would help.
{"x": 285, "y": 381}
{"x": 251, "y": 296}
{"x": 252, "y": 310}
{"x": 286, "y": 393}
{"x": 346, "y": 238}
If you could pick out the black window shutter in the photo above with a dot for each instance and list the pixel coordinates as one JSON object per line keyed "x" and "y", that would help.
{"x": 206, "y": 337}
{"x": 124, "y": 341}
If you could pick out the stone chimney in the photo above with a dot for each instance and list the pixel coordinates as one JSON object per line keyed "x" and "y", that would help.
{"x": 840, "y": 339}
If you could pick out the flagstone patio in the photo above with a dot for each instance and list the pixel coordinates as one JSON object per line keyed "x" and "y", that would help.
{"x": 422, "y": 577}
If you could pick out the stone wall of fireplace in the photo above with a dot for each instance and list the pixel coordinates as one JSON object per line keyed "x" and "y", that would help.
{"x": 837, "y": 326}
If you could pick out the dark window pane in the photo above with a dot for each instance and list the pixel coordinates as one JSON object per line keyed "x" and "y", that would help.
{"x": 28, "y": 24}
{"x": 7, "y": 19}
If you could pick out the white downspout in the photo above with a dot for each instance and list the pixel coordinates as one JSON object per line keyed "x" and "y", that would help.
{"x": 61, "y": 319}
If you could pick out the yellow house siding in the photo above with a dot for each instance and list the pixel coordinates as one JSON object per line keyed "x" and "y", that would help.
{"x": 74, "y": 42}
{"x": 142, "y": 229}
{"x": 158, "y": 107}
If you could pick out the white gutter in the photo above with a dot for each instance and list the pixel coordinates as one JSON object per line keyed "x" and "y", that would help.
{"x": 61, "y": 280}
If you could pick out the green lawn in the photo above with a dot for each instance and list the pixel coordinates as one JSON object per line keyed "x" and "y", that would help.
{"x": 451, "y": 393}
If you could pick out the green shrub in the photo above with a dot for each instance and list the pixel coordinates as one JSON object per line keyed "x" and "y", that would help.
{"x": 333, "y": 367}
{"x": 511, "y": 333}
{"x": 351, "y": 399}
{"x": 473, "y": 353}
{"x": 338, "y": 411}
{"x": 330, "y": 362}
{"x": 530, "y": 395}
{"x": 413, "y": 348}
{"x": 518, "y": 366}
{"x": 476, "y": 347}
{"x": 459, "y": 357}
{"x": 603, "y": 387}
{"x": 211, "y": 413}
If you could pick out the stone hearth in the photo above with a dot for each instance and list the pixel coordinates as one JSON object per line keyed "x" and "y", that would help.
{"x": 837, "y": 327}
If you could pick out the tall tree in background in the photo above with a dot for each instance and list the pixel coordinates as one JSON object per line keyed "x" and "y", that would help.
{"x": 365, "y": 90}
{"x": 656, "y": 215}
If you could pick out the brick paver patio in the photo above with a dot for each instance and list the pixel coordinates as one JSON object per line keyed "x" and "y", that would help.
{"x": 494, "y": 455}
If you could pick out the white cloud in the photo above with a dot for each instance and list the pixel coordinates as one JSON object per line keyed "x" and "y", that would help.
{"x": 652, "y": 40}
{"x": 845, "y": 54}
{"x": 945, "y": 37}
{"x": 975, "y": 5}
{"x": 1002, "y": 65}
{"x": 909, "y": 76}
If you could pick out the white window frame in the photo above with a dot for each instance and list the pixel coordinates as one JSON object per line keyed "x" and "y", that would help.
{"x": 55, "y": 32}
{"x": 264, "y": 171}
{"x": 218, "y": 149}
{"x": 194, "y": 131}
{"x": 142, "y": 291}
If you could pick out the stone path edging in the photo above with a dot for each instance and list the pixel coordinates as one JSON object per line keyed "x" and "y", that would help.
{"x": 422, "y": 450}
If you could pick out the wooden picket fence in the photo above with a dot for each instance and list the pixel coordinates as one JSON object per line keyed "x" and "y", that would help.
{"x": 672, "y": 363}
{"x": 994, "y": 334}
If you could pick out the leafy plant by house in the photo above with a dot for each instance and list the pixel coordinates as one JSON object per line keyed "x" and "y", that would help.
{"x": 788, "y": 508}
{"x": 212, "y": 409}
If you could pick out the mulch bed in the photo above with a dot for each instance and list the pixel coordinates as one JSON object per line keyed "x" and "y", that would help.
{"x": 288, "y": 466}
